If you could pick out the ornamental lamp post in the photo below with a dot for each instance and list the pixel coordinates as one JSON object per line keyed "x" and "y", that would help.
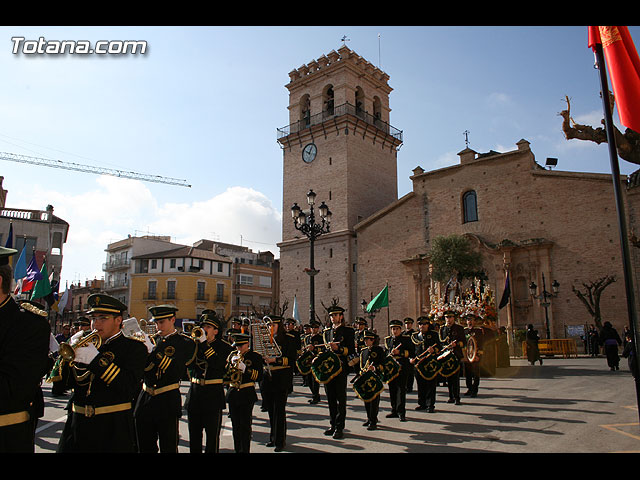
{"x": 305, "y": 222}
{"x": 545, "y": 297}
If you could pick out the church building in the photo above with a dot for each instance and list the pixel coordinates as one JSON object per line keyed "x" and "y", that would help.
{"x": 555, "y": 229}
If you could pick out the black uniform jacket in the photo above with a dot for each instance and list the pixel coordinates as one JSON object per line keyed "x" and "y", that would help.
{"x": 281, "y": 372}
{"x": 425, "y": 340}
{"x": 405, "y": 346}
{"x": 206, "y": 373}
{"x": 245, "y": 392}
{"x": 346, "y": 338}
{"x": 110, "y": 381}
{"x": 166, "y": 366}
{"x": 24, "y": 356}
{"x": 453, "y": 333}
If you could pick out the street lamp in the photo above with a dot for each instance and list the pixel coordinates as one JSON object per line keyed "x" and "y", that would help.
{"x": 545, "y": 297}
{"x": 305, "y": 222}
{"x": 371, "y": 314}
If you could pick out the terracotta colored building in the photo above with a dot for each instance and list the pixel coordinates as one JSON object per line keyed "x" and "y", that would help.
{"x": 537, "y": 225}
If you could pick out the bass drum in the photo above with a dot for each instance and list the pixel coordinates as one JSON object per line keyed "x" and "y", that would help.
{"x": 471, "y": 350}
{"x": 429, "y": 367}
{"x": 303, "y": 362}
{"x": 326, "y": 366}
{"x": 368, "y": 386}
{"x": 449, "y": 363}
{"x": 390, "y": 369}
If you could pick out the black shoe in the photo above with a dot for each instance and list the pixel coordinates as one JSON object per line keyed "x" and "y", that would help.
{"x": 403, "y": 418}
{"x": 330, "y": 431}
{"x": 392, "y": 415}
{"x": 458, "y": 402}
{"x": 366, "y": 424}
{"x": 467, "y": 393}
{"x": 373, "y": 426}
{"x": 473, "y": 395}
{"x": 338, "y": 435}
{"x": 431, "y": 409}
{"x": 270, "y": 444}
{"x": 420, "y": 407}
{"x": 278, "y": 449}
{"x": 451, "y": 400}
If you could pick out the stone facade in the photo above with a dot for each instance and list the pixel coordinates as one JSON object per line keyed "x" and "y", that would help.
{"x": 530, "y": 222}
{"x": 535, "y": 224}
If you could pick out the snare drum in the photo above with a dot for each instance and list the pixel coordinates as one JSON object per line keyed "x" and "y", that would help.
{"x": 326, "y": 366}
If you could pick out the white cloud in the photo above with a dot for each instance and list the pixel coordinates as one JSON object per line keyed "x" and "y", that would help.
{"x": 117, "y": 207}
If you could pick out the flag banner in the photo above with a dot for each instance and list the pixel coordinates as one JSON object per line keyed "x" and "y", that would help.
{"x": 296, "y": 315}
{"x": 505, "y": 294}
{"x": 20, "y": 269}
{"x": 42, "y": 288}
{"x": 33, "y": 275}
{"x": 623, "y": 65}
{"x": 63, "y": 300}
{"x": 9, "y": 243}
{"x": 380, "y": 300}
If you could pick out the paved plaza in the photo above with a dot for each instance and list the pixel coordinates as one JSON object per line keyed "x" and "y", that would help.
{"x": 574, "y": 405}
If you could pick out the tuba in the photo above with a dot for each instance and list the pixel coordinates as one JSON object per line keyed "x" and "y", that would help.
{"x": 67, "y": 351}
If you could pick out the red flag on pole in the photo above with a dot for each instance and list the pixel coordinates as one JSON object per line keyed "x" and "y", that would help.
{"x": 623, "y": 65}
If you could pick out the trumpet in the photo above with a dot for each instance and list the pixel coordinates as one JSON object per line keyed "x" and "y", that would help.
{"x": 197, "y": 332}
{"x": 67, "y": 351}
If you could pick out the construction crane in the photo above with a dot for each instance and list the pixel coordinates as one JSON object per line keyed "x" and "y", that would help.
{"x": 45, "y": 162}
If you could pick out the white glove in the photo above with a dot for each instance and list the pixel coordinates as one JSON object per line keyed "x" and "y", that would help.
{"x": 86, "y": 354}
{"x": 203, "y": 337}
{"x": 76, "y": 337}
{"x": 242, "y": 367}
{"x": 148, "y": 343}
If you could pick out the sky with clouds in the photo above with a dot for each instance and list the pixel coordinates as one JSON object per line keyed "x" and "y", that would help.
{"x": 203, "y": 104}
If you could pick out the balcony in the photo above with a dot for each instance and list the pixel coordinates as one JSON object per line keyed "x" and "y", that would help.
{"x": 116, "y": 263}
{"x": 337, "y": 112}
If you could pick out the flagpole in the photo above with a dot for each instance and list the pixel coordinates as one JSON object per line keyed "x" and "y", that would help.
{"x": 615, "y": 169}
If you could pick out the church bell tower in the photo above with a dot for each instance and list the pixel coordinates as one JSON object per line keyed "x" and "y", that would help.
{"x": 338, "y": 143}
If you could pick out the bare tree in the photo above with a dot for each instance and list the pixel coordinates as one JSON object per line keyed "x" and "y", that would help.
{"x": 591, "y": 297}
{"x": 627, "y": 143}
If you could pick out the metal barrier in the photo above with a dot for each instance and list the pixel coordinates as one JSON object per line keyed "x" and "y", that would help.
{"x": 559, "y": 346}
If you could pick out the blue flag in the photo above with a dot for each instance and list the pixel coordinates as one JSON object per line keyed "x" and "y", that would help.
{"x": 9, "y": 243}
{"x": 20, "y": 270}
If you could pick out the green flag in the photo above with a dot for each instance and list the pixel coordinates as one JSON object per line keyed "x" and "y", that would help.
{"x": 380, "y": 300}
{"x": 42, "y": 287}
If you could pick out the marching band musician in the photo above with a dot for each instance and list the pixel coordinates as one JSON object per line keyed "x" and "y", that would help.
{"x": 472, "y": 368}
{"x": 159, "y": 405}
{"x": 205, "y": 399}
{"x": 401, "y": 348}
{"x": 427, "y": 342}
{"x": 361, "y": 328}
{"x": 291, "y": 327}
{"x": 278, "y": 380}
{"x": 24, "y": 361}
{"x": 409, "y": 331}
{"x": 341, "y": 340}
{"x": 104, "y": 380}
{"x": 247, "y": 367}
{"x": 315, "y": 338}
{"x": 371, "y": 355}
{"x": 453, "y": 333}
{"x": 304, "y": 337}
